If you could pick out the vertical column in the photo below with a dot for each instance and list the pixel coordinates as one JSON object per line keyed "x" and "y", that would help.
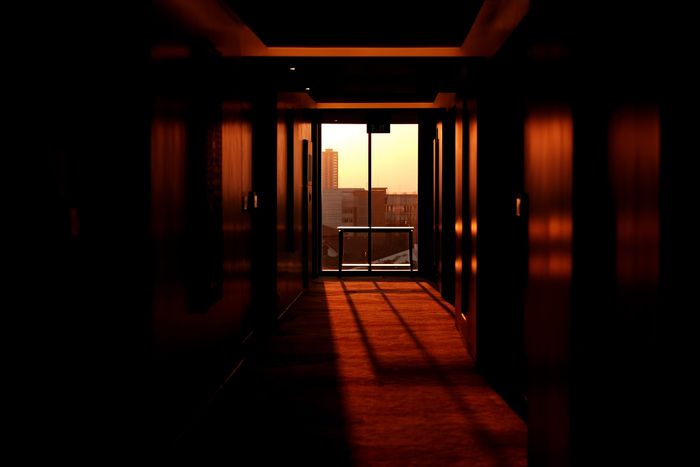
{"x": 369, "y": 201}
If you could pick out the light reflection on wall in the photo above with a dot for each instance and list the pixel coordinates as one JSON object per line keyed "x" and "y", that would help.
{"x": 471, "y": 309}
{"x": 548, "y": 181}
{"x": 472, "y": 191}
{"x": 634, "y": 148}
{"x": 458, "y": 265}
{"x": 458, "y": 234}
{"x": 548, "y": 154}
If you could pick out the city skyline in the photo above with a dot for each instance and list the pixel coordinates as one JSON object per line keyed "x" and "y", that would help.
{"x": 394, "y": 156}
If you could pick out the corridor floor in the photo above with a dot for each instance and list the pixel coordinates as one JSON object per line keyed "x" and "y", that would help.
{"x": 361, "y": 372}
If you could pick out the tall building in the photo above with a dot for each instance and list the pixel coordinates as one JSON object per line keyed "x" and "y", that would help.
{"x": 329, "y": 169}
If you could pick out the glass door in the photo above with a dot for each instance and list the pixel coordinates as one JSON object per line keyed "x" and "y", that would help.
{"x": 348, "y": 197}
{"x": 395, "y": 197}
{"x": 344, "y": 183}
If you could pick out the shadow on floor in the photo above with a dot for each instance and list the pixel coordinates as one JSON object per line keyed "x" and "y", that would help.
{"x": 284, "y": 404}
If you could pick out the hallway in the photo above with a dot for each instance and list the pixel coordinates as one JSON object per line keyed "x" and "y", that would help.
{"x": 179, "y": 207}
{"x": 362, "y": 372}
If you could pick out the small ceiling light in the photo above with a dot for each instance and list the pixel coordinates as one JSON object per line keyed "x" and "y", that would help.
{"x": 307, "y": 89}
{"x": 292, "y": 68}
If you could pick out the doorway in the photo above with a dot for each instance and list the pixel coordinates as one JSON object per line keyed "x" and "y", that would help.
{"x": 369, "y": 197}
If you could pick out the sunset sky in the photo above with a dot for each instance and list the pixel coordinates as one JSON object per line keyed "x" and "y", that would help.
{"x": 394, "y": 156}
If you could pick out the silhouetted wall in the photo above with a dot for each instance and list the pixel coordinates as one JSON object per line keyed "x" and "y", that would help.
{"x": 594, "y": 158}
{"x": 196, "y": 337}
{"x": 469, "y": 205}
{"x": 85, "y": 275}
{"x": 438, "y": 203}
{"x": 447, "y": 200}
{"x": 426, "y": 208}
{"x": 226, "y": 188}
{"x": 501, "y": 236}
{"x": 548, "y": 182}
{"x": 461, "y": 248}
{"x": 443, "y": 200}
{"x": 291, "y": 131}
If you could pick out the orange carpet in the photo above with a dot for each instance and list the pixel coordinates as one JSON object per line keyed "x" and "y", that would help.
{"x": 361, "y": 372}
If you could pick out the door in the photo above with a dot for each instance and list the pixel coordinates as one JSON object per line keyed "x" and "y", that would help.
{"x": 307, "y": 196}
{"x": 369, "y": 180}
{"x": 237, "y": 183}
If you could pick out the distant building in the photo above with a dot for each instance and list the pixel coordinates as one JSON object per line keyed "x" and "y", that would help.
{"x": 402, "y": 209}
{"x": 378, "y": 210}
{"x": 329, "y": 170}
{"x": 348, "y": 206}
{"x": 349, "y": 212}
{"x": 331, "y": 207}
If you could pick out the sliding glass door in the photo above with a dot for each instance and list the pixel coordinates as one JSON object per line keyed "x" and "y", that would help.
{"x": 395, "y": 196}
{"x": 347, "y": 197}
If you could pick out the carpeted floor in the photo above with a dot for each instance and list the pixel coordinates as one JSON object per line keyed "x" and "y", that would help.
{"x": 361, "y": 372}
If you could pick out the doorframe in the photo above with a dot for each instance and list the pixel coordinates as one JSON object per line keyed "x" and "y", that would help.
{"x": 424, "y": 118}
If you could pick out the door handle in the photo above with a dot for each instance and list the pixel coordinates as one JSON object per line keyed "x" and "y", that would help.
{"x": 250, "y": 201}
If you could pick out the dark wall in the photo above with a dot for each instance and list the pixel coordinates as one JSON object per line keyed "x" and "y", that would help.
{"x": 594, "y": 260}
{"x": 237, "y": 167}
{"x": 84, "y": 270}
{"x": 568, "y": 294}
{"x": 443, "y": 201}
{"x": 461, "y": 291}
{"x": 265, "y": 215}
{"x": 548, "y": 183}
{"x": 621, "y": 259}
{"x": 291, "y": 131}
{"x": 447, "y": 206}
{"x": 470, "y": 193}
{"x": 501, "y": 234}
{"x": 438, "y": 203}
{"x": 196, "y": 343}
{"x": 597, "y": 150}
{"x": 195, "y": 336}
{"x": 426, "y": 209}
{"x": 677, "y": 345}
{"x": 491, "y": 234}
{"x": 465, "y": 138}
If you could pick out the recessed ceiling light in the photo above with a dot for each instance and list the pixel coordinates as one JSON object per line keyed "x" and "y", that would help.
{"x": 291, "y": 68}
{"x": 307, "y": 89}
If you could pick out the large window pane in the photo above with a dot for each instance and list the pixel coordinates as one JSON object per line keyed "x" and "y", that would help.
{"x": 343, "y": 193}
{"x": 345, "y": 196}
{"x": 395, "y": 195}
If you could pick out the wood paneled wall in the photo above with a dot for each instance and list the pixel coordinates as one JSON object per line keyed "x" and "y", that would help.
{"x": 462, "y": 237}
{"x": 549, "y": 181}
{"x": 291, "y": 131}
{"x": 261, "y": 186}
{"x": 447, "y": 200}
{"x": 194, "y": 348}
{"x": 426, "y": 200}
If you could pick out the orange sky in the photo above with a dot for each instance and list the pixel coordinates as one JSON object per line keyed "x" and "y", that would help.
{"x": 394, "y": 156}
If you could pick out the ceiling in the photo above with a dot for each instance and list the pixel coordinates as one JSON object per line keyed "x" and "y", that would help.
{"x": 351, "y": 79}
{"x": 360, "y": 23}
{"x": 359, "y": 52}
{"x": 375, "y": 79}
